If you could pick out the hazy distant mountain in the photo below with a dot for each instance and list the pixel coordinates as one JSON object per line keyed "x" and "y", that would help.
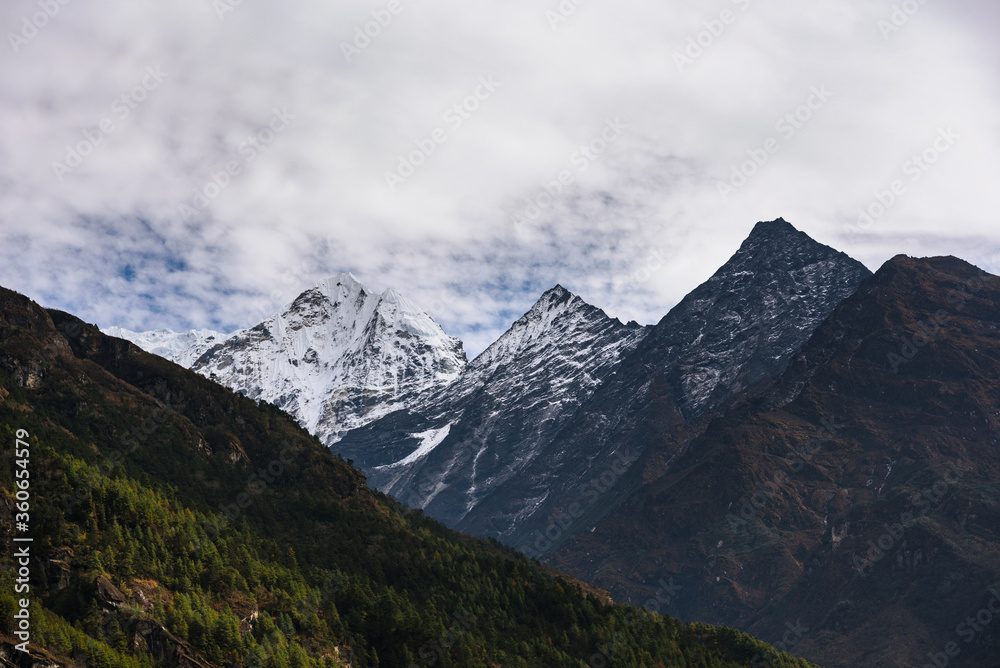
{"x": 180, "y": 347}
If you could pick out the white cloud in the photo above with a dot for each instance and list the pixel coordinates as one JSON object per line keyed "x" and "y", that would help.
{"x": 109, "y": 241}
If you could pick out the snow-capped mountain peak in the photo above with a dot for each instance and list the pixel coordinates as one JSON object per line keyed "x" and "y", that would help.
{"x": 406, "y": 316}
{"x": 336, "y": 357}
{"x": 559, "y": 319}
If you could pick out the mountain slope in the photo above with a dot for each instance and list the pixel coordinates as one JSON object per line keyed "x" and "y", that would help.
{"x": 176, "y": 523}
{"x": 472, "y": 438}
{"x": 337, "y": 357}
{"x": 854, "y": 496}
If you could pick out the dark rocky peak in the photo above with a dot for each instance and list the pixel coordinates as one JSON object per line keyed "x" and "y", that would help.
{"x": 746, "y": 321}
{"x": 773, "y": 229}
{"x": 777, "y": 246}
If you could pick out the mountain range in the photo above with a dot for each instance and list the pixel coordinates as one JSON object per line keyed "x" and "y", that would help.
{"x": 561, "y": 415}
{"x": 165, "y": 521}
{"x": 734, "y": 463}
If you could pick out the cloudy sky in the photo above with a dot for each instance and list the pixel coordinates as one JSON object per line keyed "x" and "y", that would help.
{"x": 198, "y": 163}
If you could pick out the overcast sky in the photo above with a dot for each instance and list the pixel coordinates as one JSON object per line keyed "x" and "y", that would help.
{"x": 115, "y": 113}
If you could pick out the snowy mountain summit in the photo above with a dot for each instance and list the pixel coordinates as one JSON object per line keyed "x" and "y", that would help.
{"x": 336, "y": 358}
